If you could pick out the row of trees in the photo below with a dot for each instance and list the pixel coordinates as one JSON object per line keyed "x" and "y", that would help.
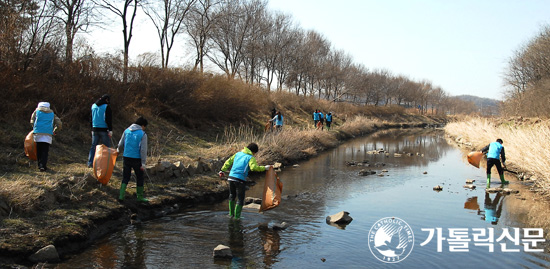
{"x": 242, "y": 38}
{"x": 528, "y": 77}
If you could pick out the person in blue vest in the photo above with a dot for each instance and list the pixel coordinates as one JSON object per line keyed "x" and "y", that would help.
{"x": 321, "y": 120}
{"x": 315, "y": 118}
{"x": 329, "y": 120}
{"x": 492, "y": 208}
{"x": 45, "y": 124}
{"x": 241, "y": 163}
{"x": 278, "y": 121}
{"x": 133, "y": 144}
{"x": 101, "y": 121}
{"x": 495, "y": 152}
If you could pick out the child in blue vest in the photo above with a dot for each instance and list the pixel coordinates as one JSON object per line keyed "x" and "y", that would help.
{"x": 45, "y": 124}
{"x": 495, "y": 152}
{"x": 241, "y": 163}
{"x": 133, "y": 144}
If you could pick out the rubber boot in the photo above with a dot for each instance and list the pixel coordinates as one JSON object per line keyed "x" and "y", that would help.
{"x": 122, "y": 191}
{"x": 238, "y": 209}
{"x": 502, "y": 181}
{"x": 140, "y": 198}
{"x": 488, "y": 181}
{"x": 231, "y": 208}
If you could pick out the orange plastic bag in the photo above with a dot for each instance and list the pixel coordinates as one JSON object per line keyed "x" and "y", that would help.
{"x": 474, "y": 158}
{"x": 273, "y": 188}
{"x": 30, "y": 146}
{"x": 104, "y": 163}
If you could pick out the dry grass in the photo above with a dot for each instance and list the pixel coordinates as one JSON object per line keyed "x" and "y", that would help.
{"x": 293, "y": 143}
{"x": 525, "y": 144}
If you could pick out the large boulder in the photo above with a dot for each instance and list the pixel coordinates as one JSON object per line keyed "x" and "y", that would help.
{"x": 46, "y": 254}
{"x": 223, "y": 252}
{"x": 341, "y": 217}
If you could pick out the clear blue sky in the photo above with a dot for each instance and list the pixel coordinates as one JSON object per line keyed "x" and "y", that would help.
{"x": 461, "y": 45}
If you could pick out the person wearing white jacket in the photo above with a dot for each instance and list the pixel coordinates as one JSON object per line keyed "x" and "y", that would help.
{"x": 45, "y": 124}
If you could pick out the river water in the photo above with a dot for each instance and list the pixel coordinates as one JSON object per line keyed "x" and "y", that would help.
{"x": 451, "y": 228}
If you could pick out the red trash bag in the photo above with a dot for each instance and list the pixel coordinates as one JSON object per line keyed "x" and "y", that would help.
{"x": 474, "y": 158}
{"x": 30, "y": 146}
{"x": 104, "y": 163}
{"x": 273, "y": 188}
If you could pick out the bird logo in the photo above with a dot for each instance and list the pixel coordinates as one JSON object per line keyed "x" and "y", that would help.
{"x": 391, "y": 240}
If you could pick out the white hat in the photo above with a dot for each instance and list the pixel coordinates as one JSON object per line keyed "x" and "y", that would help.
{"x": 44, "y": 104}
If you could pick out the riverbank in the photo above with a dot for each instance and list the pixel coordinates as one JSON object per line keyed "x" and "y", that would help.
{"x": 69, "y": 209}
{"x": 524, "y": 141}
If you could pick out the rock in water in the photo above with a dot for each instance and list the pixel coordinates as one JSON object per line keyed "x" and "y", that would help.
{"x": 223, "y": 252}
{"x": 340, "y": 218}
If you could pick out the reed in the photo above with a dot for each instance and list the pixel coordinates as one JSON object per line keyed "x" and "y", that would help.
{"x": 524, "y": 144}
{"x": 291, "y": 143}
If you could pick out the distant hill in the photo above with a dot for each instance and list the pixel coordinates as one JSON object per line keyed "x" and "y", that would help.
{"x": 486, "y": 106}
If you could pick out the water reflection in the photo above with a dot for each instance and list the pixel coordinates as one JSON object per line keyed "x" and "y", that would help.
{"x": 492, "y": 208}
{"x": 471, "y": 203}
{"x": 134, "y": 248}
{"x": 324, "y": 186}
{"x": 271, "y": 243}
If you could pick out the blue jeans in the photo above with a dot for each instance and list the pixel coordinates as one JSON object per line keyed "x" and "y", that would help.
{"x": 98, "y": 138}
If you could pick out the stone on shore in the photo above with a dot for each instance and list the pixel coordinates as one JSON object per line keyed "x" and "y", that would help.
{"x": 470, "y": 181}
{"x": 438, "y": 188}
{"x": 341, "y": 217}
{"x": 222, "y": 252}
{"x": 45, "y": 254}
{"x": 469, "y": 186}
{"x": 252, "y": 200}
{"x": 252, "y": 206}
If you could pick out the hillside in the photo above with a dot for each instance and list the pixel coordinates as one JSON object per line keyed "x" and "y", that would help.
{"x": 486, "y": 106}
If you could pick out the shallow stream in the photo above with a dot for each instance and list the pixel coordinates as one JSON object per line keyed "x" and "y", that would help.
{"x": 460, "y": 220}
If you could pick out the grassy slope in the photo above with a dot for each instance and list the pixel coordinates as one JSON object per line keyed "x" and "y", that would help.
{"x": 64, "y": 205}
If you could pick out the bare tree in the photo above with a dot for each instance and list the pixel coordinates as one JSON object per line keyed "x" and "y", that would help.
{"x": 127, "y": 13}
{"x": 233, "y": 29}
{"x": 199, "y": 25}
{"x": 168, "y": 17}
{"x": 76, "y": 15}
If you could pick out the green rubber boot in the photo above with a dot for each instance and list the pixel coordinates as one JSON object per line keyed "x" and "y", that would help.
{"x": 122, "y": 191}
{"x": 231, "y": 208}
{"x": 238, "y": 209}
{"x": 140, "y": 198}
{"x": 488, "y": 181}
{"x": 502, "y": 181}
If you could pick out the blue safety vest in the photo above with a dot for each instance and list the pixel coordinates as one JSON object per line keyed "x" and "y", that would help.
{"x": 132, "y": 143}
{"x": 43, "y": 123}
{"x": 279, "y": 122}
{"x": 315, "y": 116}
{"x": 494, "y": 150}
{"x": 240, "y": 166}
{"x": 329, "y": 118}
{"x": 98, "y": 116}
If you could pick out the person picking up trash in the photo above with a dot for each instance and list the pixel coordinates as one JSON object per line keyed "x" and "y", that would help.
{"x": 495, "y": 152}
{"x": 241, "y": 163}
{"x": 133, "y": 144}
